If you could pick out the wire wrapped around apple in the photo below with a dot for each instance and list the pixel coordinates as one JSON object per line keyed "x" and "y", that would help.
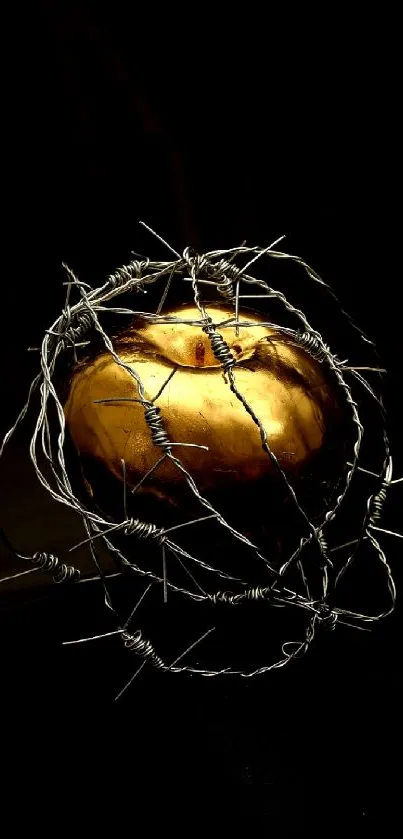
{"x": 162, "y": 410}
{"x": 213, "y": 443}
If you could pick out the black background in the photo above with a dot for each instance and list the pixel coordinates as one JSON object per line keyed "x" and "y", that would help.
{"x": 211, "y": 135}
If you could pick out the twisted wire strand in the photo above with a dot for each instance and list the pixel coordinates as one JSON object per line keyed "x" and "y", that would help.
{"x": 377, "y": 501}
{"x": 374, "y": 512}
{"x": 73, "y": 330}
{"x": 309, "y": 342}
{"x": 159, "y": 436}
{"x": 127, "y": 273}
{"x": 226, "y": 274}
{"x": 290, "y": 649}
{"x": 141, "y": 646}
{"x": 144, "y": 530}
{"x": 61, "y": 572}
{"x": 219, "y": 346}
{"x": 43, "y": 561}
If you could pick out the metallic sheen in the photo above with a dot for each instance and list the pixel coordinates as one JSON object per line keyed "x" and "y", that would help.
{"x": 286, "y": 388}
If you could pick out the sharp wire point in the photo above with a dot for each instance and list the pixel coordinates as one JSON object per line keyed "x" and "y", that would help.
{"x": 186, "y": 569}
{"x": 125, "y": 513}
{"x": 157, "y": 236}
{"x": 162, "y": 388}
{"x": 99, "y": 535}
{"x": 188, "y": 523}
{"x": 165, "y": 293}
{"x": 134, "y": 610}
{"x": 164, "y": 573}
{"x": 237, "y": 287}
{"x": 19, "y": 574}
{"x": 91, "y": 638}
{"x": 198, "y": 641}
{"x": 147, "y": 474}
{"x": 127, "y": 685}
{"x": 389, "y": 532}
{"x": 262, "y": 253}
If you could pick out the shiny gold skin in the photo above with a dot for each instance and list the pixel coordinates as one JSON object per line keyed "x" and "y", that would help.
{"x": 285, "y": 387}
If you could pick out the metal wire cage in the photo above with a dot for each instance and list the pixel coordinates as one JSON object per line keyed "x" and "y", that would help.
{"x": 309, "y": 578}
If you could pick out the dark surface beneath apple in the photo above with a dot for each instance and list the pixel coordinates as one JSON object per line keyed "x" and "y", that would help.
{"x": 109, "y": 138}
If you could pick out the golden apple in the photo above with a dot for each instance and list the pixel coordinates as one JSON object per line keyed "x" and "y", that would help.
{"x": 291, "y": 393}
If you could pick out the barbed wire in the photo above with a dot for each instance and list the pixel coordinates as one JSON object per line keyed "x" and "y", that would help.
{"x": 79, "y": 324}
